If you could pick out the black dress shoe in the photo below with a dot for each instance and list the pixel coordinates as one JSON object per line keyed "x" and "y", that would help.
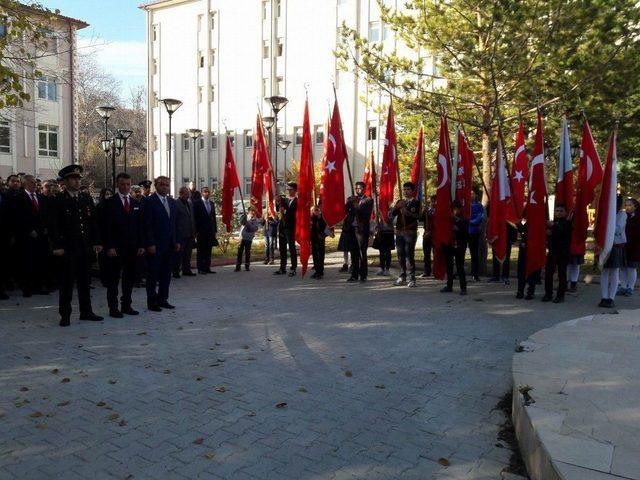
{"x": 292, "y": 273}
{"x": 166, "y": 305}
{"x": 446, "y": 290}
{"x": 129, "y": 311}
{"x": 520, "y": 295}
{"x": 91, "y": 317}
{"x": 530, "y": 296}
{"x": 115, "y": 314}
{"x": 203, "y": 272}
{"x": 237, "y": 269}
{"x": 153, "y": 308}
{"x": 558, "y": 299}
{"x": 546, "y": 298}
{"x": 188, "y": 274}
{"x": 4, "y": 296}
{"x": 279, "y": 272}
{"x": 65, "y": 321}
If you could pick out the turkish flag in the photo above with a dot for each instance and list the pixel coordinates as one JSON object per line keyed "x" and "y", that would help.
{"x": 589, "y": 177}
{"x": 332, "y": 179}
{"x": 466, "y": 159}
{"x": 443, "y": 229}
{"x": 499, "y": 206}
{"x": 536, "y": 212}
{"x": 258, "y": 168}
{"x": 606, "y": 212}
{"x": 564, "y": 183}
{"x": 388, "y": 175}
{"x": 519, "y": 173}
{"x": 370, "y": 180}
{"x": 306, "y": 185}
{"x": 417, "y": 169}
{"x": 229, "y": 183}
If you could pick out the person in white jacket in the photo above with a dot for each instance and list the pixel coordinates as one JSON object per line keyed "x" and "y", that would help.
{"x": 249, "y": 226}
{"x": 616, "y": 260}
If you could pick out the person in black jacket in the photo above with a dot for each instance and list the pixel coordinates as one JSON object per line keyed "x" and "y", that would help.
{"x": 357, "y": 228}
{"x": 523, "y": 280}
{"x": 318, "y": 235}
{"x": 74, "y": 236}
{"x": 455, "y": 253}
{"x": 558, "y": 243}
{"x": 204, "y": 212}
{"x": 288, "y": 207}
{"x": 185, "y": 233}
{"x": 122, "y": 241}
{"x": 5, "y": 239}
{"x": 407, "y": 212}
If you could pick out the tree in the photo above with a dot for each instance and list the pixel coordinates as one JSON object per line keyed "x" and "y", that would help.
{"x": 495, "y": 61}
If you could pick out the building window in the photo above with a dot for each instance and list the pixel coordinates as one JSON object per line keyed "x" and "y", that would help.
{"x": 212, "y": 19}
{"x": 265, "y": 10}
{"x": 201, "y": 143}
{"x": 248, "y": 139}
{"x": 214, "y": 141}
{"x": 213, "y": 92}
{"x": 298, "y": 135}
{"x": 386, "y": 32}
{"x": 185, "y": 142}
{"x": 154, "y": 32}
{"x": 265, "y": 87}
{"x": 278, "y": 8}
{"x": 319, "y": 134}
{"x": 265, "y": 49}
{"x": 154, "y": 66}
{"x": 5, "y": 137}
{"x": 199, "y": 94}
{"x": 199, "y": 23}
{"x": 51, "y": 41}
{"x": 373, "y": 132}
{"x": 247, "y": 185}
{"x": 200, "y": 59}
{"x": 47, "y": 140}
{"x": 213, "y": 57}
{"x": 280, "y": 86}
{"x": 214, "y": 183}
{"x": 280, "y": 46}
{"x": 48, "y": 89}
{"x": 155, "y": 142}
{"x": 374, "y": 31}
{"x": 154, "y": 100}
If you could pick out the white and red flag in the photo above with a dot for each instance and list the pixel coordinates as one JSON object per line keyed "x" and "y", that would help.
{"x": 332, "y": 179}
{"x": 499, "y": 206}
{"x": 417, "y": 169}
{"x": 466, "y": 159}
{"x": 259, "y": 167}
{"x": 606, "y": 211}
{"x": 306, "y": 185}
{"x": 443, "y": 228}
{"x": 564, "y": 183}
{"x": 519, "y": 173}
{"x": 589, "y": 177}
{"x": 388, "y": 175}
{"x": 536, "y": 211}
{"x": 229, "y": 183}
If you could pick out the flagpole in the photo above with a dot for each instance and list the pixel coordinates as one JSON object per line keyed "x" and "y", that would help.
{"x": 424, "y": 168}
{"x": 344, "y": 147}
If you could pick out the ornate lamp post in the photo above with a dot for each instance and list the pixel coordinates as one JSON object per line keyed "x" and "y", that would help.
{"x": 124, "y": 133}
{"x": 194, "y": 134}
{"x": 105, "y": 112}
{"x": 112, "y": 148}
{"x": 171, "y": 104}
{"x": 284, "y": 144}
{"x": 277, "y": 104}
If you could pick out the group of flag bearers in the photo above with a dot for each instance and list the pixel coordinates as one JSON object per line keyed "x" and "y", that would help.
{"x": 518, "y": 201}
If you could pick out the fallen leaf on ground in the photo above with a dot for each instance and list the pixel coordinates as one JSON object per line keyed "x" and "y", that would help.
{"x": 113, "y": 416}
{"x": 54, "y": 371}
{"x": 216, "y": 344}
{"x": 36, "y": 415}
{"x": 444, "y": 462}
{"x": 392, "y": 372}
{"x": 64, "y": 404}
{"x": 282, "y": 405}
{"x": 246, "y": 347}
{"x": 381, "y": 386}
{"x": 101, "y": 404}
{"x": 251, "y": 414}
{"x": 214, "y": 365}
{"x": 199, "y": 379}
{"x": 302, "y": 390}
{"x": 65, "y": 380}
{"x": 221, "y": 389}
{"x": 123, "y": 423}
{"x": 167, "y": 371}
{"x": 112, "y": 382}
{"x": 198, "y": 441}
{"x": 221, "y": 360}
{"x": 251, "y": 358}
{"x": 210, "y": 454}
{"x": 24, "y": 389}
{"x": 180, "y": 328}
{"x": 141, "y": 333}
{"x": 41, "y": 426}
{"x": 348, "y": 373}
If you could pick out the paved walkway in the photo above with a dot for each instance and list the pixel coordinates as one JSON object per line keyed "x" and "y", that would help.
{"x": 581, "y": 418}
{"x": 255, "y": 377}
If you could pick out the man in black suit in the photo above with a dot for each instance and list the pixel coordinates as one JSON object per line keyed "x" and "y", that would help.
{"x": 74, "y": 234}
{"x": 357, "y": 225}
{"x": 159, "y": 213}
{"x": 204, "y": 211}
{"x": 122, "y": 239}
{"x": 288, "y": 207}
{"x": 5, "y": 239}
{"x": 185, "y": 233}
{"x": 31, "y": 237}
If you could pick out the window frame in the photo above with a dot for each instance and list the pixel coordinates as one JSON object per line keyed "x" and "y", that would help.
{"x": 49, "y": 132}
{"x": 5, "y": 124}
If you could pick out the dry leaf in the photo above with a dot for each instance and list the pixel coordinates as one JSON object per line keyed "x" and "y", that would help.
{"x": 101, "y": 404}
{"x": 251, "y": 414}
{"x": 348, "y": 373}
{"x": 246, "y": 347}
{"x": 180, "y": 328}
{"x": 199, "y": 379}
{"x": 41, "y": 426}
{"x": 65, "y": 380}
{"x": 24, "y": 389}
{"x": 302, "y": 390}
{"x": 54, "y": 371}
{"x": 221, "y": 360}
{"x": 221, "y": 389}
{"x": 444, "y": 462}
{"x": 113, "y": 416}
{"x": 251, "y": 358}
{"x": 214, "y": 365}
{"x": 216, "y": 344}
{"x": 381, "y": 386}
{"x": 210, "y": 454}
{"x": 198, "y": 441}
{"x": 167, "y": 371}
{"x": 123, "y": 423}
{"x": 64, "y": 404}
{"x": 36, "y": 415}
{"x": 112, "y": 382}
{"x": 141, "y": 333}
{"x": 282, "y": 405}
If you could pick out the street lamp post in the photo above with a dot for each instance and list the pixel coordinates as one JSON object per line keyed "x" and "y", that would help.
{"x": 195, "y": 133}
{"x": 267, "y": 122}
{"x": 171, "y": 104}
{"x": 112, "y": 149}
{"x": 125, "y": 134}
{"x": 277, "y": 104}
{"x": 284, "y": 144}
{"x": 105, "y": 112}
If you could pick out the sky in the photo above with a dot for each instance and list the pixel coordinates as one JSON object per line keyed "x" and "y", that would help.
{"x": 115, "y": 36}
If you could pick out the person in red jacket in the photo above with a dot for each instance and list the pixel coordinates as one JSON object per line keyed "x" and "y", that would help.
{"x": 629, "y": 273}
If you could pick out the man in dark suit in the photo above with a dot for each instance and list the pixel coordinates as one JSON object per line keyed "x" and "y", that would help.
{"x": 204, "y": 211}
{"x": 185, "y": 233}
{"x": 357, "y": 225}
{"x": 159, "y": 214}
{"x": 74, "y": 236}
{"x": 5, "y": 239}
{"x": 122, "y": 239}
{"x": 288, "y": 207}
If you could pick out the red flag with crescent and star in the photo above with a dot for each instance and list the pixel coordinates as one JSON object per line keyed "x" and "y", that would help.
{"x": 332, "y": 179}
{"x": 229, "y": 183}
{"x": 388, "y": 174}
{"x": 519, "y": 172}
{"x": 443, "y": 229}
{"x": 306, "y": 185}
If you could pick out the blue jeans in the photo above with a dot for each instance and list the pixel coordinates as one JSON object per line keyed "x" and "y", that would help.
{"x": 270, "y": 247}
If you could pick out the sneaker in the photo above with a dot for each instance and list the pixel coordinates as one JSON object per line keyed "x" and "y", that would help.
{"x": 352, "y": 280}
{"x": 65, "y": 321}
{"x": 446, "y": 290}
{"x": 246, "y": 268}
{"x": 380, "y": 273}
{"x": 603, "y": 303}
{"x": 271, "y": 262}
{"x": 400, "y": 281}
{"x": 621, "y": 291}
{"x": 476, "y": 279}
{"x": 424, "y": 275}
{"x": 292, "y": 273}
{"x": 411, "y": 284}
{"x": 610, "y": 303}
{"x": 266, "y": 262}
{"x": 629, "y": 292}
{"x": 345, "y": 268}
{"x": 237, "y": 269}
{"x": 387, "y": 273}
{"x": 279, "y": 272}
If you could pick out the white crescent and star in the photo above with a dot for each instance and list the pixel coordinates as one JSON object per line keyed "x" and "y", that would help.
{"x": 445, "y": 175}
{"x": 331, "y": 166}
{"x": 333, "y": 142}
{"x": 518, "y": 176}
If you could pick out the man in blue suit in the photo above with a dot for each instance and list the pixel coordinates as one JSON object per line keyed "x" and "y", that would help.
{"x": 159, "y": 214}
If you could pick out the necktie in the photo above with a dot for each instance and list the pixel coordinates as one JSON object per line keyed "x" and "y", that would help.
{"x": 34, "y": 201}
{"x": 207, "y": 205}
{"x": 127, "y": 207}
{"x": 166, "y": 205}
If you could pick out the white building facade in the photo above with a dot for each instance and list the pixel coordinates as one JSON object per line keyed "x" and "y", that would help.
{"x": 222, "y": 58}
{"x": 42, "y": 136}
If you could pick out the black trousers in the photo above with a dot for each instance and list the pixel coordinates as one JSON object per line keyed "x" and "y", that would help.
{"x": 455, "y": 255}
{"x": 406, "y": 248}
{"x": 474, "y": 250}
{"x": 244, "y": 247}
{"x": 182, "y": 262}
{"x": 74, "y": 268}
{"x": 158, "y": 276}
{"x": 427, "y": 248}
{"x": 203, "y": 254}
{"x": 122, "y": 266}
{"x": 385, "y": 258}
{"x": 358, "y": 244}
{"x": 506, "y": 265}
{"x": 288, "y": 242}
{"x": 531, "y": 281}
{"x": 560, "y": 262}
{"x": 318, "y": 252}
{"x": 33, "y": 252}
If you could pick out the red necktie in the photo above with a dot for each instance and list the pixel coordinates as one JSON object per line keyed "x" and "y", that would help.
{"x": 127, "y": 207}
{"x": 34, "y": 201}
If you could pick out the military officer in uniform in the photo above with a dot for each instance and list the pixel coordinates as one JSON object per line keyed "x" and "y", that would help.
{"x": 74, "y": 234}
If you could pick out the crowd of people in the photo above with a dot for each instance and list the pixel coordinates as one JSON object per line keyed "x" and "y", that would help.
{"x": 53, "y": 232}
